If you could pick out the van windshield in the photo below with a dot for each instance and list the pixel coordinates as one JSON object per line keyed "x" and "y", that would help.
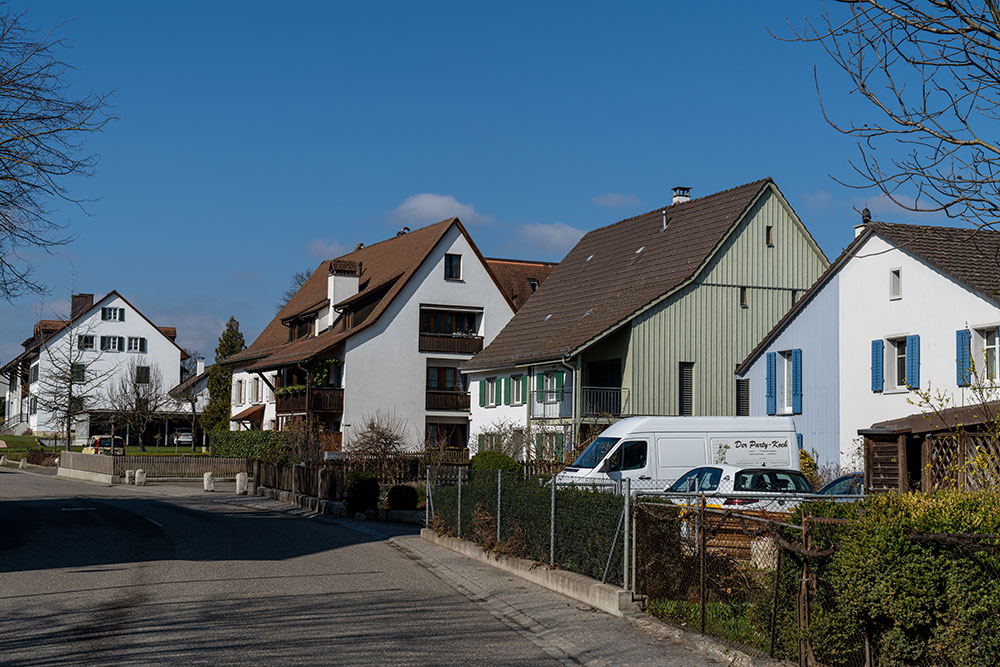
{"x": 595, "y": 453}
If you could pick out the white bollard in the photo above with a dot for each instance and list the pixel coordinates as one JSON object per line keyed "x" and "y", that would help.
{"x": 209, "y": 480}
{"x": 23, "y": 465}
{"x": 130, "y": 477}
{"x": 241, "y": 483}
{"x": 57, "y": 461}
{"x": 140, "y": 477}
{"x": 3, "y": 460}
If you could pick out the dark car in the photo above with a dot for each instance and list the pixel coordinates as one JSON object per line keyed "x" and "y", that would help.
{"x": 852, "y": 484}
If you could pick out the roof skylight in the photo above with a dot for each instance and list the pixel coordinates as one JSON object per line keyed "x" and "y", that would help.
{"x": 641, "y": 248}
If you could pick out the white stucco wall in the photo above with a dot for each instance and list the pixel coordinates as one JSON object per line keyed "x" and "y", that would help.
{"x": 238, "y": 405}
{"x": 383, "y": 369}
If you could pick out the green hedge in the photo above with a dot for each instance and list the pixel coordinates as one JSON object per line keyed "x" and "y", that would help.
{"x": 918, "y": 604}
{"x": 270, "y": 446}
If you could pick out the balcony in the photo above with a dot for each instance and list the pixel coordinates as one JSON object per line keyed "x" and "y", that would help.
{"x": 320, "y": 399}
{"x": 447, "y": 400}
{"x": 451, "y": 343}
{"x": 604, "y": 402}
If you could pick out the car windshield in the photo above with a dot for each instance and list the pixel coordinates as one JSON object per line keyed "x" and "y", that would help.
{"x": 771, "y": 481}
{"x": 595, "y": 453}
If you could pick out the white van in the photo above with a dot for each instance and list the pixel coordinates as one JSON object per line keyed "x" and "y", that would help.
{"x": 656, "y": 451}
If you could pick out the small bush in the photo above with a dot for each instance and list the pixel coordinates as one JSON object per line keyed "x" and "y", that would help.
{"x": 402, "y": 497}
{"x": 809, "y": 469}
{"x": 362, "y": 492}
{"x": 494, "y": 461}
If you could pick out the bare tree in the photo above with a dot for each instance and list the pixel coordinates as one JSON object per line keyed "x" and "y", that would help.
{"x": 929, "y": 71}
{"x": 137, "y": 396}
{"x": 299, "y": 279}
{"x": 42, "y": 128}
{"x": 187, "y": 393}
{"x": 377, "y": 444}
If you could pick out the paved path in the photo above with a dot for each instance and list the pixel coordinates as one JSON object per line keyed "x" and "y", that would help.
{"x": 169, "y": 574}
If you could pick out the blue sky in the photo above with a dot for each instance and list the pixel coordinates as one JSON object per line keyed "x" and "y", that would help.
{"x": 256, "y": 139}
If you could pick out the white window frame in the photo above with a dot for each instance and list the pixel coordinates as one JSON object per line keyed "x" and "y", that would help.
{"x": 786, "y": 406}
{"x": 256, "y": 391}
{"x": 491, "y": 392}
{"x": 129, "y": 344}
{"x": 550, "y": 392}
{"x": 89, "y": 342}
{"x": 112, "y": 344}
{"x": 895, "y": 283}
{"x": 516, "y": 384}
{"x": 895, "y": 351}
{"x": 980, "y": 353}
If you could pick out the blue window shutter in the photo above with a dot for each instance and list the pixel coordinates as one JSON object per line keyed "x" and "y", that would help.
{"x": 798, "y": 439}
{"x": 797, "y": 382}
{"x": 878, "y": 347}
{"x": 913, "y": 362}
{"x": 963, "y": 369}
{"x": 771, "y": 407}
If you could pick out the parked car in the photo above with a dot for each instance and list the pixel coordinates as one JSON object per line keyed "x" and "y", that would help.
{"x": 852, "y": 484}
{"x": 769, "y": 489}
{"x": 183, "y": 437}
{"x": 105, "y": 444}
{"x": 655, "y": 451}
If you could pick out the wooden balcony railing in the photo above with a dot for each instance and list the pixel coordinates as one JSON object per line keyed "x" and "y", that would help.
{"x": 321, "y": 399}
{"x": 448, "y": 343}
{"x": 447, "y": 400}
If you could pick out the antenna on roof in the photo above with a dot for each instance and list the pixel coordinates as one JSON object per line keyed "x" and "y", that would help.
{"x": 664, "y": 227}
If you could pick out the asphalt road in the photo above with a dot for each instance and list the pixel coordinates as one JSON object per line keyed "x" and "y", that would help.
{"x": 119, "y": 576}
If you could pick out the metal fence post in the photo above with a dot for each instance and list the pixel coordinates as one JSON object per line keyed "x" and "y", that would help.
{"x": 458, "y": 514}
{"x": 626, "y": 557}
{"x": 552, "y": 523}
{"x": 427, "y": 499}
{"x": 499, "y": 477}
{"x": 701, "y": 559}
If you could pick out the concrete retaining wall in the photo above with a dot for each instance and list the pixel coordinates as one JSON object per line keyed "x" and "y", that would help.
{"x": 100, "y": 478}
{"x": 611, "y": 599}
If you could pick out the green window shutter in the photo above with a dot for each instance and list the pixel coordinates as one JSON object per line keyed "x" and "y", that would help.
{"x": 559, "y": 446}
{"x": 104, "y": 342}
{"x": 541, "y": 383}
{"x": 121, "y": 314}
{"x": 560, "y": 380}
{"x": 104, "y": 313}
{"x": 121, "y": 343}
{"x": 79, "y": 342}
{"x": 506, "y": 391}
{"x": 539, "y": 440}
{"x": 482, "y": 394}
{"x": 142, "y": 345}
{"x": 524, "y": 388}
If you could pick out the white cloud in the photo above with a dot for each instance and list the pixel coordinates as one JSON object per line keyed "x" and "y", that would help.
{"x": 427, "y": 207}
{"x": 321, "y": 249}
{"x": 615, "y": 200}
{"x": 820, "y": 199}
{"x": 553, "y": 237}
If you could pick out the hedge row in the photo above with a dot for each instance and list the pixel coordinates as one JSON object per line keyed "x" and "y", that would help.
{"x": 917, "y": 603}
{"x": 269, "y": 446}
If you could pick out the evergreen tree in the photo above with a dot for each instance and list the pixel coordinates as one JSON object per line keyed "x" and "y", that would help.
{"x": 220, "y": 379}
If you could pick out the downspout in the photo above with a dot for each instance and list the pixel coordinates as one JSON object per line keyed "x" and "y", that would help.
{"x": 308, "y": 396}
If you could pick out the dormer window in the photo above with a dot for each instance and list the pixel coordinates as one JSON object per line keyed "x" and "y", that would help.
{"x": 533, "y": 284}
{"x": 452, "y": 267}
{"x": 300, "y": 329}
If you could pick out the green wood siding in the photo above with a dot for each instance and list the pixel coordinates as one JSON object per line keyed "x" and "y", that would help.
{"x": 704, "y": 323}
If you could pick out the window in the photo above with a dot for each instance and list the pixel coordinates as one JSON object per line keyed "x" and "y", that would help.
{"x": 447, "y": 322}
{"x": 113, "y": 314}
{"x": 142, "y": 374}
{"x": 33, "y": 405}
{"x": 769, "y": 236}
{"x": 533, "y": 284}
{"x": 33, "y": 374}
{"x": 488, "y": 391}
{"x": 686, "y": 389}
{"x": 85, "y": 342}
{"x": 449, "y": 436}
{"x": 630, "y": 456}
{"x": 895, "y": 284}
{"x": 442, "y": 378}
{"x": 795, "y": 296}
{"x": 901, "y": 362}
{"x": 743, "y": 398}
{"x": 78, "y": 372}
{"x": 256, "y": 390}
{"x": 784, "y": 382}
{"x": 238, "y": 392}
{"x": 136, "y": 344}
{"x": 112, "y": 343}
{"x": 452, "y": 267}
{"x": 786, "y": 360}
{"x": 989, "y": 355}
{"x": 552, "y": 386}
{"x": 743, "y": 297}
{"x": 518, "y": 387}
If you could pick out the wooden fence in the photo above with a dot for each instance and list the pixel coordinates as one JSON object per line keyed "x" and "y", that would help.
{"x": 193, "y": 467}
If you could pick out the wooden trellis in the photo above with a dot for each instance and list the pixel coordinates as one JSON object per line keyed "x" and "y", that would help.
{"x": 965, "y": 461}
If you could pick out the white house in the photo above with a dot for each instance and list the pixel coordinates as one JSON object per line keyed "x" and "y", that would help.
{"x": 905, "y": 308}
{"x": 648, "y": 315}
{"x": 382, "y": 329}
{"x": 100, "y": 340}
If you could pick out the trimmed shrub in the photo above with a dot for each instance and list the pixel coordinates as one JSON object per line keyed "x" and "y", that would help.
{"x": 269, "y": 446}
{"x": 361, "y": 493}
{"x": 494, "y": 461}
{"x": 402, "y": 497}
{"x": 809, "y": 469}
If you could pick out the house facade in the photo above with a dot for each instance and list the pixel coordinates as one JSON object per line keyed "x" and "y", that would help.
{"x": 382, "y": 329}
{"x": 648, "y": 315}
{"x": 905, "y": 310}
{"x": 99, "y": 341}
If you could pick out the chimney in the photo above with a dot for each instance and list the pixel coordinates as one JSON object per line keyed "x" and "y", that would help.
{"x": 341, "y": 284}
{"x": 681, "y": 195}
{"x": 199, "y": 365}
{"x": 79, "y": 304}
{"x": 866, "y": 217}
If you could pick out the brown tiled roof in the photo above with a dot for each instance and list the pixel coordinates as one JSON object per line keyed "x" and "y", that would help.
{"x": 385, "y": 267}
{"x": 250, "y": 414}
{"x": 169, "y": 332}
{"x": 928, "y": 422}
{"x": 606, "y": 279}
{"x": 514, "y": 274}
{"x": 969, "y": 256}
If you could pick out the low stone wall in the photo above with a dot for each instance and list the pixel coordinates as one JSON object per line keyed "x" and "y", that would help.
{"x": 85, "y": 475}
{"x": 89, "y": 467}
